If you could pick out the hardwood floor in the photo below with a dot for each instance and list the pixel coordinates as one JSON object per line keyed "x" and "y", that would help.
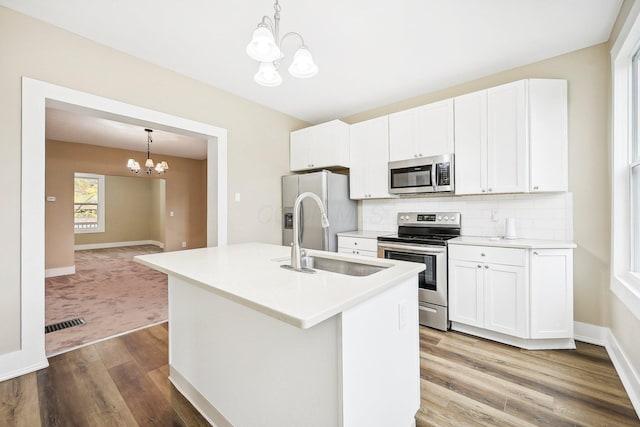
{"x": 468, "y": 381}
{"x": 465, "y": 381}
{"x": 119, "y": 382}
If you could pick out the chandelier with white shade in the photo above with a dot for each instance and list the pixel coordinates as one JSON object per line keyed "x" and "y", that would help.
{"x": 266, "y": 47}
{"x": 160, "y": 167}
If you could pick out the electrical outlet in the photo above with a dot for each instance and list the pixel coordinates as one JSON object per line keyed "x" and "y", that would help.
{"x": 494, "y": 215}
{"x": 184, "y": 244}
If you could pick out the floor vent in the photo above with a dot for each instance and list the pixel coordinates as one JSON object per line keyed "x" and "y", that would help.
{"x": 64, "y": 325}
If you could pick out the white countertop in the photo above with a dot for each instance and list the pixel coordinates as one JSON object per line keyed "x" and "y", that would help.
{"x": 512, "y": 243}
{"x": 250, "y": 274}
{"x": 365, "y": 234}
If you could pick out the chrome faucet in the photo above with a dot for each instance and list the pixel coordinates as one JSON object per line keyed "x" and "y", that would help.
{"x": 296, "y": 261}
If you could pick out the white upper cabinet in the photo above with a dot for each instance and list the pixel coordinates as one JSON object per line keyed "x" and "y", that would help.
{"x": 422, "y": 131}
{"x": 548, "y": 135}
{"x": 369, "y": 155}
{"x": 471, "y": 143}
{"x": 321, "y": 146}
{"x": 507, "y": 155}
{"x": 512, "y": 138}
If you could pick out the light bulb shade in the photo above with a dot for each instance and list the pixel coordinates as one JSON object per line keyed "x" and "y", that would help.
{"x": 302, "y": 65}
{"x": 148, "y": 163}
{"x": 131, "y": 164}
{"x": 267, "y": 75}
{"x": 159, "y": 168}
{"x": 262, "y": 46}
{"x": 165, "y": 165}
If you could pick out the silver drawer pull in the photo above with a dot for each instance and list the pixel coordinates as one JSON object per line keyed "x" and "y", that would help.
{"x": 479, "y": 266}
{"x": 482, "y": 254}
{"x": 486, "y": 266}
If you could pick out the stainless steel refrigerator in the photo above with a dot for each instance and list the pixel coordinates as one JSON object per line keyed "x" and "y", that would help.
{"x": 333, "y": 190}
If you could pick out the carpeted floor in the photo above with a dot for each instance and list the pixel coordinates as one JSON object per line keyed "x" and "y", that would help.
{"x": 113, "y": 293}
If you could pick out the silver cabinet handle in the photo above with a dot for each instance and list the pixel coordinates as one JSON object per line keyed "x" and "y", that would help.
{"x": 484, "y": 191}
{"x": 482, "y": 254}
{"x": 479, "y": 266}
{"x": 486, "y": 266}
{"x": 490, "y": 190}
{"x": 535, "y": 252}
{"x": 535, "y": 187}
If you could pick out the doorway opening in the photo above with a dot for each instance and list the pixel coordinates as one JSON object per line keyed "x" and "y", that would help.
{"x": 36, "y": 97}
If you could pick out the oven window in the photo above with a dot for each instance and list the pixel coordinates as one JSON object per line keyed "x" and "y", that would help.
{"x": 426, "y": 278}
{"x": 417, "y": 176}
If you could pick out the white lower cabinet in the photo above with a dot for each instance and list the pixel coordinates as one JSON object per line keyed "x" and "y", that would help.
{"x": 522, "y": 297}
{"x": 487, "y": 288}
{"x": 551, "y": 293}
{"x": 358, "y": 246}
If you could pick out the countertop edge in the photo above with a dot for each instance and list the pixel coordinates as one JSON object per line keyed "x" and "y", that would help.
{"x": 303, "y": 323}
{"x": 515, "y": 243}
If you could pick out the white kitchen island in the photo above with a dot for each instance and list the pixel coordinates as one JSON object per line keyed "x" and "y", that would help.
{"x": 253, "y": 344}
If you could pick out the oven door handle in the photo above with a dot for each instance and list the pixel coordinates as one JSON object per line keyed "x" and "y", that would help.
{"x": 412, "y": 249}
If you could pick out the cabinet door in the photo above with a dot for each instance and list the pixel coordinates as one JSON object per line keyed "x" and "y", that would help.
{"x": 471, "y": 143}
{"x": 466, "y": 298}
{"x": 320, "y": 146}
{"x": 551, "y": 293}
{"x": 421, "y": 132}
{"x": 548, "y": 140}
{"x": 369, "y": 157}
{"x": 435, "y": 128}
{"x": 506, "y": 299}
{"x": 330, "y": 145}
{"x": 299, "y": 149}
{"x": 507, "y": 157}
{"x": 403, "y": 134}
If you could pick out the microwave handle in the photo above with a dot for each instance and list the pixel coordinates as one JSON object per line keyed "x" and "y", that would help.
{"x": 434, "y": 183}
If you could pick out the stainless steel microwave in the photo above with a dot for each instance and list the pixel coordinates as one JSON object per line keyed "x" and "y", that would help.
{"x": 422, "y": 175}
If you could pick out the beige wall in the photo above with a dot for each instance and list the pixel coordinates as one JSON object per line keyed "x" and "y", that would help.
{"x": 588, "y": 75}
{"x": 185, "y": 196}
{"x": 258, "y": 138}
{"x": 131, "y": 206}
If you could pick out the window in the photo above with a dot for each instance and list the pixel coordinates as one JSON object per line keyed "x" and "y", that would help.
{"x": 634, "y": 165}
{"x": 88, "y": 203}
{"x": 625, "y": 165}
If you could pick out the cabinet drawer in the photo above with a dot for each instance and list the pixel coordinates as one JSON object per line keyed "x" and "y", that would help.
{"x": 358, "y": 243}
{"x": 372, "y": 254}
{"x": 506, "y": 256}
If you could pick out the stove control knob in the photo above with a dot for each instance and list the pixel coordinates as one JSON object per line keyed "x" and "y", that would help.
{"x": 439, "y": 218}
{"x": 446, "y": 218}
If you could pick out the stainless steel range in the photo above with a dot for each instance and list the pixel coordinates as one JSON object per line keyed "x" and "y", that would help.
{"x": 422, "y": 237}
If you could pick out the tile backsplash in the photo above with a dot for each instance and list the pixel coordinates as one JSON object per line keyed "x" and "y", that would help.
{"x": 537, "y": 216}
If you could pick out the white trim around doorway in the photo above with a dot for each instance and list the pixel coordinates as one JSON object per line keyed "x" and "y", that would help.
{"x": 36, "y": 96}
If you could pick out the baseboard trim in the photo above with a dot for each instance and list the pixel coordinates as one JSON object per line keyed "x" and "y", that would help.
{"x": 591, "y": 334}
{"x": 59, "y": 271}
{"x": 602, "y": 336}
{"x": 22, "y": 370}
{"x": 202, "y": 405}
{"x": 629, "y": 377}
{"x": 118, "y": 244}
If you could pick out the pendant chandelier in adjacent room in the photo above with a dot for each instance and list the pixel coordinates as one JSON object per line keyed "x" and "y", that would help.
{"x": 160, "y": 167}
{"x": 266, "y": 47}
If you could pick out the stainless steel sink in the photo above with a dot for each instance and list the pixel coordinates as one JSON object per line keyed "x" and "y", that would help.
{"x": 350, "y": 268}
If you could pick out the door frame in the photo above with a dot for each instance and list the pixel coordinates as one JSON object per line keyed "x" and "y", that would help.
{"x": 36, "y": 96}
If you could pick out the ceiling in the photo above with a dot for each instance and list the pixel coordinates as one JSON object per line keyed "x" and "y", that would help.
{"x": 86, "y": 128}
{"x": 370, "y": 52}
